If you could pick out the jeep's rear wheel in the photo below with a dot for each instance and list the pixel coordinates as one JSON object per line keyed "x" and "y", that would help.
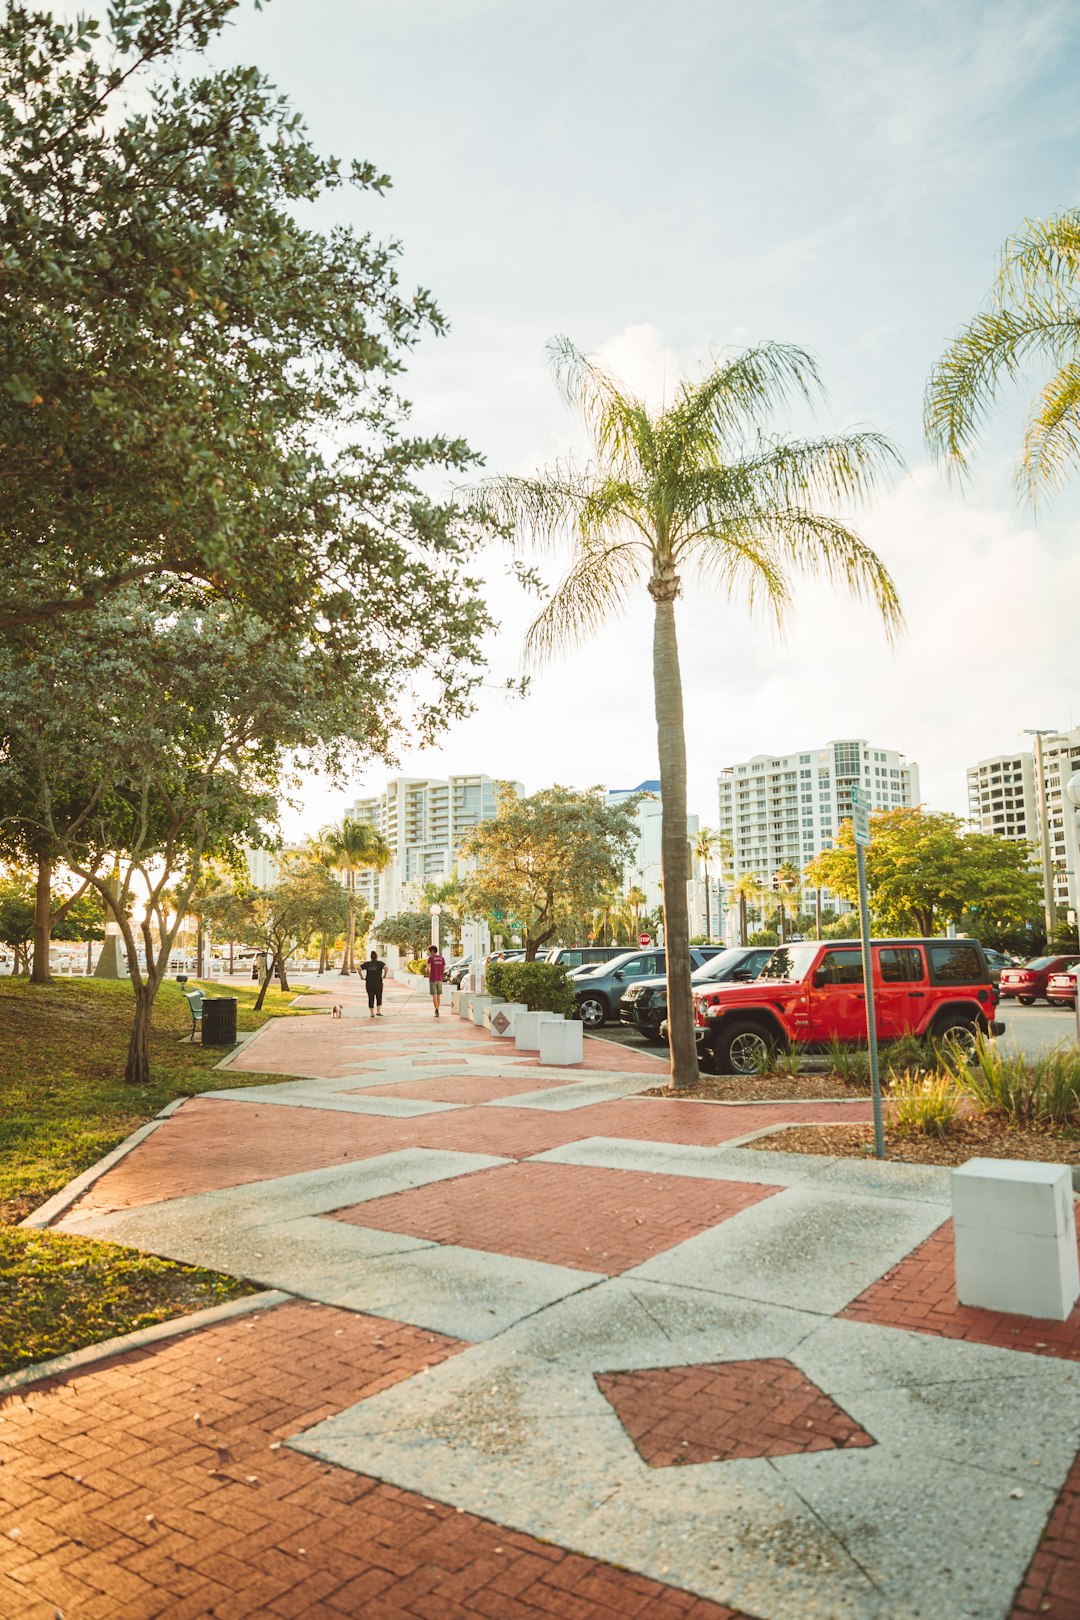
{"x": 959, "y": 1032}
{"x": 593, "y": 1010}
{"x": 1026, "y": 1001}
{"x": 745, "y": 1048}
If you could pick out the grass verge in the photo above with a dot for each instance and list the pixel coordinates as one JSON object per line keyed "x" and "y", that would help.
{"x": 59, "y": 1293}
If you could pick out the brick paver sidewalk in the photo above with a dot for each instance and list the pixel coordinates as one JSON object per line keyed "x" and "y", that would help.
{"x": 540, "y": 1347}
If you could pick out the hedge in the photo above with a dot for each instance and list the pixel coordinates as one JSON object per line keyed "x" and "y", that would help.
{"x": 542, "y": 986}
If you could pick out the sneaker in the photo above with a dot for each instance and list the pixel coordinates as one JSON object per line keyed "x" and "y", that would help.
{"x": 436, "y": 1012}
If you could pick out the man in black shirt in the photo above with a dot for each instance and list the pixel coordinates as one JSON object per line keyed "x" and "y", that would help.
{"x": 373, "y": 971}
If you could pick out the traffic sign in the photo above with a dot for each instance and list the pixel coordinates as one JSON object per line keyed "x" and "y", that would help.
{"x": 860, "y": 816}
{"x": 644, "y": 939}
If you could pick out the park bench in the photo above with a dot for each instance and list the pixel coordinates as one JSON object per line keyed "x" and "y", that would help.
{"x": 194, "y": 999}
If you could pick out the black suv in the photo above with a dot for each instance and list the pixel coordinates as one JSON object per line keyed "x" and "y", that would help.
{"x": 644, "y": 1005}
{"x": 599, "y": 990}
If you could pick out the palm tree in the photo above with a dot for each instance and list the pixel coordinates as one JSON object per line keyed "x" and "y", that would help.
{"x": 323, "y": 853}
{"x": 354, "y": 846}
{"x": 1032, "y": 315}
{"x": 694, "y": 489}
{"x": 787, "y": 881}
{"x": 635, "y": 899}
{"x": 747, "y": 891}
{"x": 706, "y": 843}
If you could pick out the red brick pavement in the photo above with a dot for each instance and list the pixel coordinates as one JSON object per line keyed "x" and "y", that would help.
{"x": 562, "y": 1214}
{"x": 1051, "y": 1587}
{"x": 920, "y": 1294}
{"x": 155, "y": 1484}
{"x": 768, "y": 1408}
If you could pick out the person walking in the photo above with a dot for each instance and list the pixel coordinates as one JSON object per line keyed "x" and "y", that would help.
{"x": 373, "y": 971}
{"x": 436, "y": 973}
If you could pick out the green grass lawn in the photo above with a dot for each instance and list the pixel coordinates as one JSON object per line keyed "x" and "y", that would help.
{"x": 63, "y": 1104}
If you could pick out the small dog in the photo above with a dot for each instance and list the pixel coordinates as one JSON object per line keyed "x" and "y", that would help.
{"x": 336, "y": 1010}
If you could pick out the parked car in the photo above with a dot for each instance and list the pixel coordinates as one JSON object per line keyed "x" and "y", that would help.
{"x": 644, "y": 1005}
{"x": 811, "y": 994}
{"x": 997, "y": 962}
{"x": 1028, "y": 981}
{"x": 599, "y": 990}
{"x": 456, "y": 972}
{"x": 1061, "y": 989}
{"x": 576, "y": 956}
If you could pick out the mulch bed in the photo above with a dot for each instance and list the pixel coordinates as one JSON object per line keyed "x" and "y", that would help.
{"x": 981, "y": 1138}
{"x": 765, "y": 1088}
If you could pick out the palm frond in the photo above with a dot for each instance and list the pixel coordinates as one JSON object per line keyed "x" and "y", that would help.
{"x": 837, "y": 468}
{"x": 544, "y": 510}
{"x": 1043, "y": 253}
{"x": 617, "y": 420}
{"x": 822, "y": 547}
{"x": 1052, "y": 438}
{"x": 595, "y": 590}
{"x": 734, "y": 398}
{"x": 734, "y": 558}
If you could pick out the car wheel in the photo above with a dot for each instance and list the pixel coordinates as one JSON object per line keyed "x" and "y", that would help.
{"x": 1026, "y": 1001}
{"x": 1054, "y": 1001}
{"x": 745, "y": 1048}
{"x": 593, "y": 1010}
{"x": 959, "y": 1031}
{"x": 650, "y": 1034}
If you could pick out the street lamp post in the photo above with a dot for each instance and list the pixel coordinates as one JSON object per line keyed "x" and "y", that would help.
{"x": 1044, "y": 825}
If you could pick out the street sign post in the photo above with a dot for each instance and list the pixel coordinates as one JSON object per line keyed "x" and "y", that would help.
{"x": 860, "y": 826}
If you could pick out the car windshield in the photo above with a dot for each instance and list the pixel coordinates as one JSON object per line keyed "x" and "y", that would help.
{"x": 716, "y": 966}
{"x": 790, "y": 963}
{"x": 1040, "y": 962}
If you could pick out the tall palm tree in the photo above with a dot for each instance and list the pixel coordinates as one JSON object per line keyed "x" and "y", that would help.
{"x": 1031, "y": 315}
{"x": 635, "y": 899}
{"x": 787, "y": 881}
{"x": 323, "y": 853}
{"x": 748, "y": 892}
{"x": 355, "y": 846}
{"x": 706, "y": 844}
{"x": 695, "y": 489}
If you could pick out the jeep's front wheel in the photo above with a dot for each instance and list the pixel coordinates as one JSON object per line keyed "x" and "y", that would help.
{"x": 745, "y": 1048}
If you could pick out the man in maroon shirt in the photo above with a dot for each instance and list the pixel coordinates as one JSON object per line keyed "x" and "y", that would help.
{"x": 436, "y": 973}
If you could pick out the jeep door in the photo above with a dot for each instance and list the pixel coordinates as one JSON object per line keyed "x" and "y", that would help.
{"x": 837, "y": 997}
{"x": 900, "y": 990}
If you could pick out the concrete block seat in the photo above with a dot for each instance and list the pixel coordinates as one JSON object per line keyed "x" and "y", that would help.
{"x": 1015, "y": 1232}
{"x": 562, "y": 1041}
{"x": 527, "y": 1029}
{"x": 501, "y": 1017}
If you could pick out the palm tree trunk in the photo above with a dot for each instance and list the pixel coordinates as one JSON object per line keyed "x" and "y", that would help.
{"x": 742, "y": 919}
{"x": 708, "y": 915}
{"x": 671, "y": 746}
{"x": 350, "y": 928}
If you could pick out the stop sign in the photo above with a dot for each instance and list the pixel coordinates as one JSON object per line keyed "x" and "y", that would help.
{"x": 644, "y": 939}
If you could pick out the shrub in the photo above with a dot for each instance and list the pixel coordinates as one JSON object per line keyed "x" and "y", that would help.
{"x": 922, "y": 1102}
{"x": 541, "y": 986}
{"x": 416, "y": 964}
{"x": 851, "y": 1063}
{"x": 1043, "y": 1092}
{"x": 764, "y": 936}
{"x": 788, "y": 1060}
{"x": 906, "y": 1052}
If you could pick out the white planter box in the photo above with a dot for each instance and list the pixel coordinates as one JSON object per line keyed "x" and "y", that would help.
{"x": 1015, "y": 1233}
{"x": 527, "y": 1029}
{"x": 480, "y": 1005}
{"x": 501, "y": 1017}
{"x": 562, "y": 1043}
{"x": 464, "y": 1006}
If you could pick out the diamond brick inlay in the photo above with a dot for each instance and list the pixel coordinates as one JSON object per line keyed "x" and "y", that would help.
{"x": 721, "y": 1410}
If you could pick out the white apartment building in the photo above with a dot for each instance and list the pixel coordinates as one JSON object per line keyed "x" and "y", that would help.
{"x": 644, "y": 867}
{"x": 1003, "y": 797}
{"x": 424, "y": 820}
{"x": 787, "y": 808}
{"x": 264, "y": 865}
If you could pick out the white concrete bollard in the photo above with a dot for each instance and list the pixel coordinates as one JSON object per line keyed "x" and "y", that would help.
{"x": 527, "y": 1029}
{"x": 562, "y": 1043}
{"x": 455, "y": 1000}
{"x": 500, "y": 1017}
{"x": 1015, "y": 1233}
{"x": 480, "y": 1005}
{"x": 464, "y": 1006}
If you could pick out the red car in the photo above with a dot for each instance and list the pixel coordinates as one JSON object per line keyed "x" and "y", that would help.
{"x": 810, "y": 994}
{"x": 1061, "y": 989}
{"x": 1028, "y": 982}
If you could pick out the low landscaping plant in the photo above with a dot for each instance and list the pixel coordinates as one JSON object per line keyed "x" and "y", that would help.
{"x": 788, "y": 1060}
{"x": 851, "y": 1063}
{"x": 540, "y": 986}
{"x": 416, "y": 964}
{"x": 906, "y": 1052}
{"x": 921, "y": 1102}
{"x": 1040, "y": 1091}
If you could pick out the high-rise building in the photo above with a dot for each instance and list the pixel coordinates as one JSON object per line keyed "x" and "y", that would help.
{"x": 1003, "y": 797}
{"x": 644, "y": 870}
{"x": 424, "y": 820}
{"x": 784, "y": 809}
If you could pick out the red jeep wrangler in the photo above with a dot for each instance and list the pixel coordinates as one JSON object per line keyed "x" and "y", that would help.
{"x": 811, "y": 994}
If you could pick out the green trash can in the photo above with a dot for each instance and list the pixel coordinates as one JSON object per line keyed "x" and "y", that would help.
{"x": 219, "y": 1021}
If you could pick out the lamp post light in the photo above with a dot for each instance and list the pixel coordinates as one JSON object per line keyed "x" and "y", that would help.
{"x": 436, "y": 913}
{"x": 1072, "y": 793}
{"x": 1044, "y": 825}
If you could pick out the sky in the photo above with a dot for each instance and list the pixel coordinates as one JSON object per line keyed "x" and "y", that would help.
{"x": 664, "y": 180}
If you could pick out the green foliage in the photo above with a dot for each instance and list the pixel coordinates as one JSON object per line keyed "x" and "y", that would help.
{"x": 923, "y": 1103}
{"x": 1041, "y": 1091}
{"x": 846, "y": 926}
{"x": 851, "y": 1063}
{"x": 540, "y": 986}
{"x": 548, "y": 859}
{"x": 925, "y": 870}
{"x": 906, "y": 1052}
{"x": 17, "y": 920}
{"x": 1032, "y": 315}
{"x": 198, "y": 381}
{"x": 764, "y": 936}
{"x": 409, "y": 931}
{"x": 59, "y": 1293}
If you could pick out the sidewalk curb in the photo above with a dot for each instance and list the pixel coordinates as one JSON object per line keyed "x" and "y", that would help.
{"x": 47, "y": 1212}
{"x": 76, "y": 1360}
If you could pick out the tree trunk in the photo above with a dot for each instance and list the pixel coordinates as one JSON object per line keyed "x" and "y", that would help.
{"x": 42, "y": 922}
{"x": 674, "y": 862}
{"x": 322, "y": 953}
{"x": 200, "y": 950}
{"x": 742, "y": 919}
{"x": 282, "y": 978}
{"x": 708, "y": 913}
{"x": 137, "y": 1071}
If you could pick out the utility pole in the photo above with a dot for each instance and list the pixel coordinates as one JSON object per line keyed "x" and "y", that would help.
{"x": 1044, "y": 826}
